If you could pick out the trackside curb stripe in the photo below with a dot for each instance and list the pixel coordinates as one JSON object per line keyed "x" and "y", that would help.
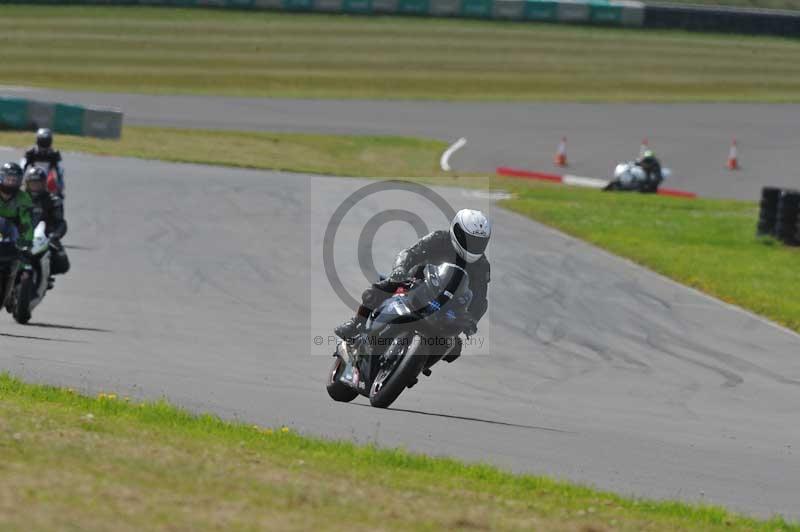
{"x": 578, "y": 181}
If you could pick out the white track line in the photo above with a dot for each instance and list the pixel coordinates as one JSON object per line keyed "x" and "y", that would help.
{"x": 579, "y": 181}
{"x": 444, "y": 162}
{"x": 482, "y": 194}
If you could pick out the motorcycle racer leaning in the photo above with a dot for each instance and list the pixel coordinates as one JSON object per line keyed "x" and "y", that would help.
{"x": 464, "y": 245}
{"x": 651, "y": 166}
{"x": 49, "y": 208}
{"x": 43, "y": 151}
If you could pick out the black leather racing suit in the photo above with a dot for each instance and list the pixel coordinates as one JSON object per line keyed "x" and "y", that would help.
{"x": 36, "y": 154}
{"x": 652, "y": 170}
{"x": 50, "y": 156}
{"x": 434, "y": 248}
{"x": 50, "y": 209}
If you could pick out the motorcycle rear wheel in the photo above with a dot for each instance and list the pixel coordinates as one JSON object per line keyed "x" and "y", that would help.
{"x": 22, "y": 307}
{"x": 338, "y": 390}
{"x": 390, "y": 382}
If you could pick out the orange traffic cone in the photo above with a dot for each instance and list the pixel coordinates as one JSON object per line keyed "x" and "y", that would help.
{"x": 561, "y": 154}
{"x": 733, "y": 156}
{"x": 644, "y": 147}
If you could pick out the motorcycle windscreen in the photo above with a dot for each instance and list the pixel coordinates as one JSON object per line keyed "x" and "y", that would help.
{"x": 447, "y": 285}
{"x": 393, "y": 311}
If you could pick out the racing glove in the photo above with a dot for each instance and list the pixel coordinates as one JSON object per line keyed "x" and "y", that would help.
{"x": 470, "y": 326}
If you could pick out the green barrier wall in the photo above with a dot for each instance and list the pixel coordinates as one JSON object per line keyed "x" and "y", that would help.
{"x": 477, "y": 8}
{"x": 68, "y": 119}
{"x": 608, "y": 12}
{"x": 357, "y": 6}
{"x": 544, "y": 10}
{"x": 413, "y": 7}
{"x": 298, "y": 5}
{"x": 605, "y": 14}
{"x": 22, "y": 114}
{"x": 13, "y": 113}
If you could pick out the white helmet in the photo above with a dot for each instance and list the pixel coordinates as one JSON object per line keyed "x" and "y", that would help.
{"x": 469, "y": 233}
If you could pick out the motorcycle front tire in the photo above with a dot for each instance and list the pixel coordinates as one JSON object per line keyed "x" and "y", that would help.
{"x": 401, "y": 378}
{"x": 22, "y": 304}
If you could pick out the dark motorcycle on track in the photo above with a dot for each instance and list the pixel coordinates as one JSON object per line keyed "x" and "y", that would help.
{"x": 23, "y": 276}
{"x": 406, "y": 335}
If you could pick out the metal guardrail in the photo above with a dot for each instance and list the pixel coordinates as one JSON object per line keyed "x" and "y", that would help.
{"x": 23, "y": 114}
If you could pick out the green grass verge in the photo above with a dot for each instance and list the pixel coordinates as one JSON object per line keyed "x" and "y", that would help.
{"x": 74, "y": 462}
{"x": 162, "y": 50}
{"x": 707, "y": 244}
{"x": 357, "y": 156}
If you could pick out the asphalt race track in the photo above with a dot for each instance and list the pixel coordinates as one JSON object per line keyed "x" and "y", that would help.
{"x": 692, "y": 139}
{"x": 197, "y": 283}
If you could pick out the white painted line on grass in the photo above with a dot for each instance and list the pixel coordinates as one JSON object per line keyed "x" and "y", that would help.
{"x": 445, "y": 160}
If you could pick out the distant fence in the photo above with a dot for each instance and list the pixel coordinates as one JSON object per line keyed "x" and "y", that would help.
{"x": 629, "y": 13}
{"x": 23, "y": 114}
{"x": 723, "y": 19}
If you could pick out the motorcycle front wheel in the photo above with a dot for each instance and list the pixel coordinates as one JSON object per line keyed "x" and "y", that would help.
{"x": 22, "y": 306}
{"x": 398, "y": 374}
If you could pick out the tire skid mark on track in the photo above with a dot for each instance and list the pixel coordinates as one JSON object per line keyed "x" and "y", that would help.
{"x": 232, "y": 340}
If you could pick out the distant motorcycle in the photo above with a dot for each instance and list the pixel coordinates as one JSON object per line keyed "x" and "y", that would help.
{"x": 23, "y": 282}
{"x": 406, "y": 335}
{"x": 631, "y": 177}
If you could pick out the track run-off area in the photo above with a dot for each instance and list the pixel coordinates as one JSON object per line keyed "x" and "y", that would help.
{"x": 199, "y": 284}
{"x": 691, "y": 139}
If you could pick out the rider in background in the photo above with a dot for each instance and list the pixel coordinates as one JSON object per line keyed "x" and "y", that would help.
{"x": 651, "y": 166}
{"x": 43, "y": 152}
{"x": 48, "y": 208}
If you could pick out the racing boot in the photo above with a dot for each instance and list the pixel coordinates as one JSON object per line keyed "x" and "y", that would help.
{"x": 454, "y": 352}
{"x": 348, "y": 329}
{"x": 51, "y": 282}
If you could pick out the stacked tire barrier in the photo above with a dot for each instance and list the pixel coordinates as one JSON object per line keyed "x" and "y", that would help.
{"x": 779, "y": 215}
{"x": 22, "y": 114}
{"x": 768, "y": 213}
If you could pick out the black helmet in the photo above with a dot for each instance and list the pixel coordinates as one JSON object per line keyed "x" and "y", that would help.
{"x": 34, "y": 174}
{"x": 648, "y": 158}
{"x": 10, "y": 177}
{"x": 44, "y": 138}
